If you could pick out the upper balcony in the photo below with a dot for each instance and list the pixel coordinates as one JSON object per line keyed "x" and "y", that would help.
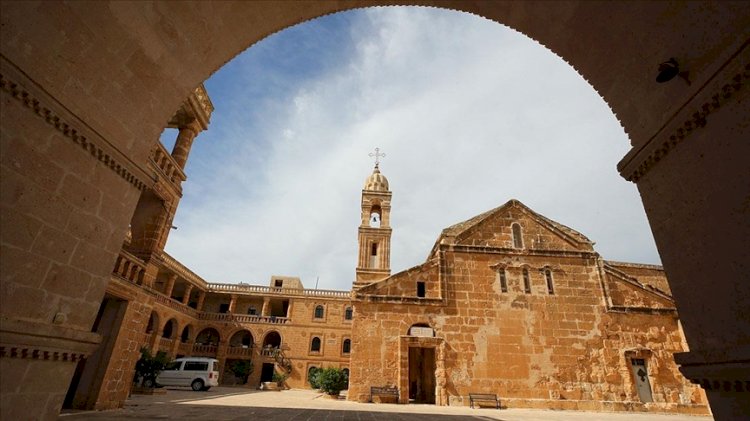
{"x": 167, "y": 167}
{"x": 262, "y": 290}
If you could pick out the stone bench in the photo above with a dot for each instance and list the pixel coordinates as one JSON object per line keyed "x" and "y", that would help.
{"x": 384, "y": 394}
{"x": 483, "y": 397}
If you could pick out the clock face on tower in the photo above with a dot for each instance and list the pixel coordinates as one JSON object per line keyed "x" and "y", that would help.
{"x": 375, "y": 220}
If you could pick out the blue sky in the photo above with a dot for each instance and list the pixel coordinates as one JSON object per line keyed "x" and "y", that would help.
{"x": 470, "y": 114}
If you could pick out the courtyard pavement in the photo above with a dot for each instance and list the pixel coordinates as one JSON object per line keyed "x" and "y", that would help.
{"x": 226, "y": 403}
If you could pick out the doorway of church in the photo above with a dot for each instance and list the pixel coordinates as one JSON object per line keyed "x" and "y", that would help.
{"x": 422, "y": 375}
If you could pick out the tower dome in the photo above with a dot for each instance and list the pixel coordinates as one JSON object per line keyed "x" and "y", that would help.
{"x": 376, "y": 181}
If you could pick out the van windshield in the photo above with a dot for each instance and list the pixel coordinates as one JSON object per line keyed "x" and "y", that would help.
{"x": 174, "y": 365}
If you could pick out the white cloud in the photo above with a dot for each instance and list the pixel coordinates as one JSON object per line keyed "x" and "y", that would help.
{"x": 469, "y": 113}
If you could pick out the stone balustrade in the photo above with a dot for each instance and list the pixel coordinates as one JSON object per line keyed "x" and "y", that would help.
{"x": 165, "y": 344}
{"x": 204, "y": 350}
{"x": 242, "y": 318}
{"x": 239, "y": 351}
{"x": 167, "y": 165}
{"x": 175, "y": 305}
{"x": 257, "y": 289}
{"x": 129, "y": 268}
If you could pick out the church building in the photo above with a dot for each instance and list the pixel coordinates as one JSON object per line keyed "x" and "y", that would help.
{"x": 512, "y": 303}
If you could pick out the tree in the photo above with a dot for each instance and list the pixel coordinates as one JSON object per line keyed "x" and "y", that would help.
{"x": 149, "y": 366}
{"x": 242, "y": 369}
{"x": 331, "y": 380}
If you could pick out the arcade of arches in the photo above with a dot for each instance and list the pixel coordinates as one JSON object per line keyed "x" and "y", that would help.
{"x": 88, "y": 86}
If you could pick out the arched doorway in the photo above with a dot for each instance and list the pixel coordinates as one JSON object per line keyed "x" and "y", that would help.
{"x": 683, "y": 134}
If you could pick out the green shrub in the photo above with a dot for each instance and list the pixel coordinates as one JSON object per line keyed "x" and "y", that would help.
{"x": 242, "y": 369}
{"x": 331, "y": 380}
{"x": 279, "y": 378}
{"x": 149, "y": 366}
{"x": 313, "y": 379}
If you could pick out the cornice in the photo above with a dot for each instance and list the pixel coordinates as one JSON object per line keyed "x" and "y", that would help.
{"x": 33, "y": 97}
{"x": 691, "y": 117}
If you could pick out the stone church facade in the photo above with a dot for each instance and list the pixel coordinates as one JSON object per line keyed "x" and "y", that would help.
{"x": 515, "y": 304}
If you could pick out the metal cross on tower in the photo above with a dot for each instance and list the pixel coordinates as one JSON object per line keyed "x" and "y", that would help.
{"x": 377, "y": 156}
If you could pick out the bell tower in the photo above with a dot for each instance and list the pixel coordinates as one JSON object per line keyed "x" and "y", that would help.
{"x": 374, "y": 262}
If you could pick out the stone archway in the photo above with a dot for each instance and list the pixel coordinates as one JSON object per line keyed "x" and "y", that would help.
{"x": 87, "y": 87}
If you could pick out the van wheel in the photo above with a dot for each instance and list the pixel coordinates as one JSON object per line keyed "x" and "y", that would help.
{"x": 149, "y": 383}
{"x": 197, "y": 385}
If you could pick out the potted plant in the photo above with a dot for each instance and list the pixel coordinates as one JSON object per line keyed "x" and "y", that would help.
{"x": 242, "y": 369}
{"x": 279, "y": 379}
{"x": 331, "y": 381}
{"x": 147, "y": 369}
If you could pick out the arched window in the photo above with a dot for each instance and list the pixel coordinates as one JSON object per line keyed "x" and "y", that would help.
{"x": 319, "y": 312}
{"x": 348, "y": 313}
{"x": 526, "y": 281}
{"x": 169, "y": 329}
{"x": 315, "y": 344}
{"x": 548, "y": 277}
{"x": 502, "y": 279}
{"x": 517, "y": 238}
{"x": 185, "y": 337}
{"x": 346, "y": 347}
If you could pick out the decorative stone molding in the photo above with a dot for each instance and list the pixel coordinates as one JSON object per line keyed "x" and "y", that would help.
{"x": 62, "y": 120}
{"x": 640, "y": 161}
{"x": 41, "y": 341}
{"x": 40, "y": 354}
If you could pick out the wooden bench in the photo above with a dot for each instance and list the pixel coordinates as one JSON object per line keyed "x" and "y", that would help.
{"x": 483, "y": 397}
{"x": 391, "y": 393}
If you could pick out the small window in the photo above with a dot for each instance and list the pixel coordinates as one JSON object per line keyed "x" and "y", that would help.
{"x": 517, "y": 238}
{"x": 252, "y": 311}
{"x": 526, "y": 282}
{"x": 348, "y": 313}
{"x": 319, "y": 312}
{"x": 315, "y": 345}
{"x": 278, "y": 283}
{"x": 223, "y": 308}
{"x": 420, "y": 289}
{"x": 346, "y": 347}
{"x": 503, "y": 280}
{"x": 548, "y": 277}
{"x": 196, "y": 366}
{"x": 374, "y": 249}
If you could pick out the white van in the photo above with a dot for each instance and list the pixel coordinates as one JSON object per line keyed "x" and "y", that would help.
{"x": 197, "y": 372}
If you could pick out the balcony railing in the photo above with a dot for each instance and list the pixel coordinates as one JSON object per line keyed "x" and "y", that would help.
{"x": 129, "y": 268}
{"x": 145, "y": 338}
{"x": 175, "y": 305}
{"x": 242, "y": 318}
{"x": 257, "y": 289}
{"x": 165, "y": 344}
{"x": 167, "y": 165}
{"x": 240, "y": 351}
{"x": 204, "y": 350}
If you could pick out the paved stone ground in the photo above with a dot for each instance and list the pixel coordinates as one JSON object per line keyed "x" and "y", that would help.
{"x": 228, "y": 404}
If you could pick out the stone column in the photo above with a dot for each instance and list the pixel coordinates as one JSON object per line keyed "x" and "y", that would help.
{"x": 266, "y": 306}
{"x": 184, "y": 142}
{"x": 201, "y": 299}
{"x": 186, "y": 297}
{"x": 232, "y": 303}
{"x": 170, "y": 285}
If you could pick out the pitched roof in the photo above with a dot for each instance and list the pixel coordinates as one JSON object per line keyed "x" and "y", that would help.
{"x": 460, "y": 228}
